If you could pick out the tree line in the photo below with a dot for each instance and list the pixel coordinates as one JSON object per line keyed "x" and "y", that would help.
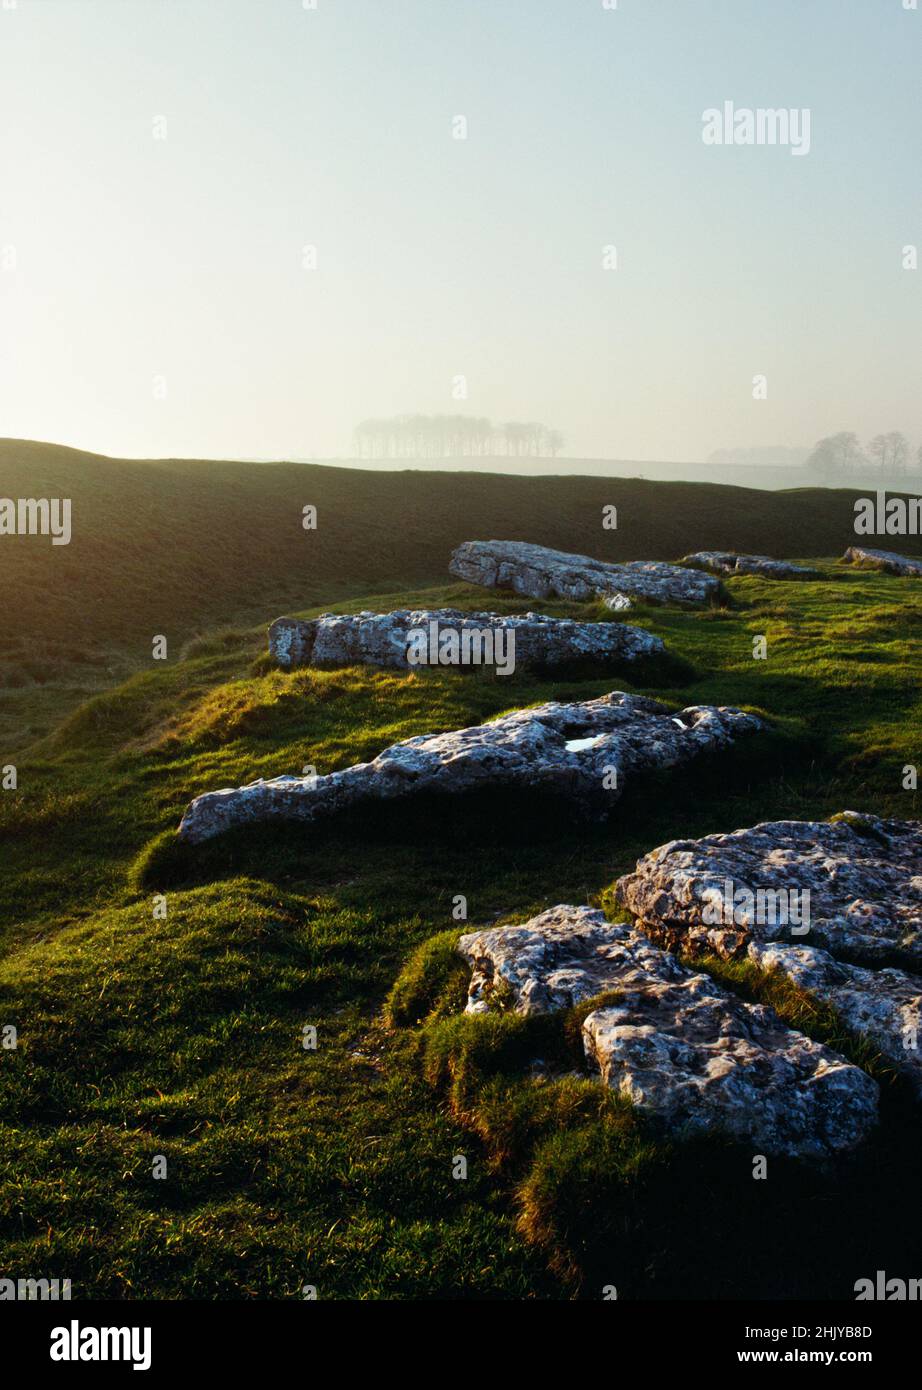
{"x": 843, "y": 453}
{"x": 454, "y": 436}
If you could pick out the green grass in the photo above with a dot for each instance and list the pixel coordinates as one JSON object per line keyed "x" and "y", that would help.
{"x": 182, "y": 1036}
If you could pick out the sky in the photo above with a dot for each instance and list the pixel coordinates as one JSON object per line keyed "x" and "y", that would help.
{"x": 165, "y": 163}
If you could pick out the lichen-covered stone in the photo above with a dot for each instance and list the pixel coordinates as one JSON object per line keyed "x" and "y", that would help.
{"x": 728, "y": 563}
{"x": 586, "y": 752}
{"x": 884, "y": 1006}
{"x": 675, "y": 1043}
{"x": 382, "y": 639}
{"x": 863, "y": 875}
{"x": 537, "y": 572}
{"x": 560, "y": 958}
{"x": 887, "y": 560}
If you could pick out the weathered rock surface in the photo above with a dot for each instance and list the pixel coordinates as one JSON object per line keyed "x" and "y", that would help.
{"x": 537, "y": 572}
{"x": 560, "y": 958}
{"x": 887, "y": 560}
{"x": 564, "y": 749}
{"x": 727, "y": 562}
{"x": 381, "y": 639}
{"x": 882, "y": 1005}
{"x": 863, "y": 875}
{"x": 675, "y": 1043}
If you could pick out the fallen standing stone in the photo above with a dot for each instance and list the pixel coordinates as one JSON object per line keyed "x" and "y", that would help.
{"x": 732, "y": 894}
{"x": 673, "y": 1042}
{"x": 537, "y": 572}
{"x": 886, "y": 560}
{"x": 863, "y": 876}
{"x": 382, "y": 639}
{"x": 728, "y": 563}
{"x": 568, "y": 750}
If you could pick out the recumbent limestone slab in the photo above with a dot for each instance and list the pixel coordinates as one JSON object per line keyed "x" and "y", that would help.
{"x": 863, "y": 879}
{"x": 674, "y": 1042}
{"x": 383, "y": 639}
{"x": 728, "y": 563}
{"x": 887, "y": 560}
{"x": 585, "y": 752}
{"x": 538, "y": 572}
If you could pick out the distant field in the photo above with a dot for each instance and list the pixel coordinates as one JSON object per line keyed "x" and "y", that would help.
{"x": 179, "y": 547}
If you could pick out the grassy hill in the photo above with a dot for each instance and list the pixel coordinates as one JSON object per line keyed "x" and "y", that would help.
{"x": 142, "y": 1036}
{"x": 177, "y": 547}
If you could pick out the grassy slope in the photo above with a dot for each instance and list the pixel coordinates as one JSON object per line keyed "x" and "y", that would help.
{"x": 174, "y": 547}
{"x": 182, "y": 1037}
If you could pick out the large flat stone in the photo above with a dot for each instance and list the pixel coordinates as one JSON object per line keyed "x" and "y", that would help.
{"x": 863, "y": 875}
{"x": 537, "y": 572}
{"x": 568, "y": 750}
{"x": 674, "y": 1042}
{"x": 382, "y": 639}
{"x": 887, "y": 560}
{"x": 728, "y": 563}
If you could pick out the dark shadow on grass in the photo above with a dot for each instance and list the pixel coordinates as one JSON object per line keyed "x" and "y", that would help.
{"x": 659, "y": 671}
{"x": 705, "y": 1228}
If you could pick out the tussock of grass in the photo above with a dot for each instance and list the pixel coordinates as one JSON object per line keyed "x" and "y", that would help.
{"x": 432, "y": 983}
{"x": 166, "y": 861}
{"x": 585, "y": 1190}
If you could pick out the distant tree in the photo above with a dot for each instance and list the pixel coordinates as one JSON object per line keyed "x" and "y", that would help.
{"x": 890, "y": 452}
{"x": 516, "y": 437}
{"x": 536, "y": 436}
{"x": 451, "y": 436}
{"x": 899, "y": 452}
{"x": 877, "y": 450}
{"x": 836, "y": 454}
{"x": 366, "y": 438}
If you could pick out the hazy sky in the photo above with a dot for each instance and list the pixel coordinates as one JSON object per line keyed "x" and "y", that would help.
{"x": 137, "y": 258}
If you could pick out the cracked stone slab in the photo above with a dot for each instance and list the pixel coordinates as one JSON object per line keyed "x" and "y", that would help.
{"x": 863, "y": 875}
{"x": 382, "y": 639}
{"x": 585, "y": 752}
{"x": 728, "y": 563}
{"x": 884, "y": 1006}
{"x": 674, "y": 1042}
{"x": 537, "y": 572}
{"x": 887, "y": 560}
